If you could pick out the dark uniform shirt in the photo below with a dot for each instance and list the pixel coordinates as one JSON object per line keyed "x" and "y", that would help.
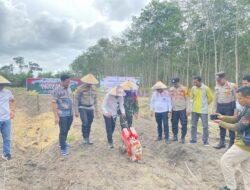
{"x": 131, "y": 103}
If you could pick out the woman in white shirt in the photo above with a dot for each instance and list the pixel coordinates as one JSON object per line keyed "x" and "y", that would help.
{"x": 161, "y": 106}
{"x": 113, "y": 105}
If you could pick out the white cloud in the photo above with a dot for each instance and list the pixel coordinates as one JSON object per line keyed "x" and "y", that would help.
{"x": 44, "y": 31}
{"x": 119, "y": 9}
{"x": 52, "y": 32}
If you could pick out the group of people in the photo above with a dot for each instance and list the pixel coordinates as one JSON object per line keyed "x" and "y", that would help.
{"x": 120, "y": 101}
{"x": 178, "y": 102}
{"x": 231, "y": 107}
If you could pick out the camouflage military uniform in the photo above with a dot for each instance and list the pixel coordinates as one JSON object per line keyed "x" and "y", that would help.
{"x": 131, "y": 106}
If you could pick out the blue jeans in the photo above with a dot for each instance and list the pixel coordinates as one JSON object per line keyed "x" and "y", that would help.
{"x": 5, "y": 130}
{"x": 64, "y": 124}
{"x": 110, "y": 127}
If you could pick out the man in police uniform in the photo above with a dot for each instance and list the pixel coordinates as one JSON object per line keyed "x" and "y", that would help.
{"x": 225, "y": 97}
{"x": 179, "y": 95}
{"x": 86, "y": 104}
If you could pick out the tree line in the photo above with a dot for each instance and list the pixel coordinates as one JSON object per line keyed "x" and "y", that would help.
{"x": 175, "y": 38}
{"x": 20, "y": 70}
{"x": 169, "y": 38}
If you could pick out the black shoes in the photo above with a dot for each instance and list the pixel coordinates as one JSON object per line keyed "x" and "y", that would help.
{"x": 159, "y": 139}
{"x": 220, "y": 145}
{"x": 182, "y": 141}
{"x": 110, "y": 145}
{"x": 224, "y": 188}
{"x": 230, "y": 145}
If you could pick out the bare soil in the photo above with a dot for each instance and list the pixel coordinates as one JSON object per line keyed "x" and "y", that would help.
{"x": 37, "y": 164}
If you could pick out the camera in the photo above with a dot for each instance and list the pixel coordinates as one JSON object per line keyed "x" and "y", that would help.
{"x": 214, "y": 117}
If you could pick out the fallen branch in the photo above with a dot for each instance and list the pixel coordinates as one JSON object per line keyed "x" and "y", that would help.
{"x": 191, "y": 173}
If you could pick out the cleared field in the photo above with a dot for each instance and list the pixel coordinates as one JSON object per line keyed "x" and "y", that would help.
{"x": 37, "y": 163}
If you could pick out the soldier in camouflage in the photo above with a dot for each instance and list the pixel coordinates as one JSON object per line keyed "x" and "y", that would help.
{"x": 130, "y": 101}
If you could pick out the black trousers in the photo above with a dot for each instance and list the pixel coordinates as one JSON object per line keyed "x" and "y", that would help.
{"x": 226, "y": 109}
{"x": 110, "y": 123}
{"x": 110, "y": 127}
{"x": 162, "y": 118}
{"x": 182, "y": 117}
{"x": 64, "y": 124}
{"x": 129, "y": 118}
{"x": 87, "y": 117}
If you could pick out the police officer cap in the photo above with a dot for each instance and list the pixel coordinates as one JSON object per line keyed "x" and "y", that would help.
{"x": 220, "y": 75}
{"x": 175, "y": 80}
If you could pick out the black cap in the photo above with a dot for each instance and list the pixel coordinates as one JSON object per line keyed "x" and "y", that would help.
{"x": 220, "y": 75}
{"x": 175, "y": 80}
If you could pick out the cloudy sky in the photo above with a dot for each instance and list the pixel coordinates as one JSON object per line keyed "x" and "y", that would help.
{"x": 53, "y": 32}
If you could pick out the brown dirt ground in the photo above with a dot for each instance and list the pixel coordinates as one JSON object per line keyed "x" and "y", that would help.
{"x": 37, "y": 164}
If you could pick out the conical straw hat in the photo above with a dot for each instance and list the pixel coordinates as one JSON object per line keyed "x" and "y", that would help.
{"x": 159, "y": 85}
{"x": 117, "y": 91}
{"x": 89, "y": 79}
{"x": 128, "y": 85}
{"x": 4, "y": 80}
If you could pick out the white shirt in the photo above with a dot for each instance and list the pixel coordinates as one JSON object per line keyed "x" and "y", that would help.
{"x": 5, "y": 98}
{"x": 111, "y": 104}
{"x": 239, "y": 107}
{"x": 161, "y": 102}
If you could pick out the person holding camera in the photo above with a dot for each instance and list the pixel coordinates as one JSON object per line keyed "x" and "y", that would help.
{"x": 239, "y": 154}
{"x": 225, "y": 95}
